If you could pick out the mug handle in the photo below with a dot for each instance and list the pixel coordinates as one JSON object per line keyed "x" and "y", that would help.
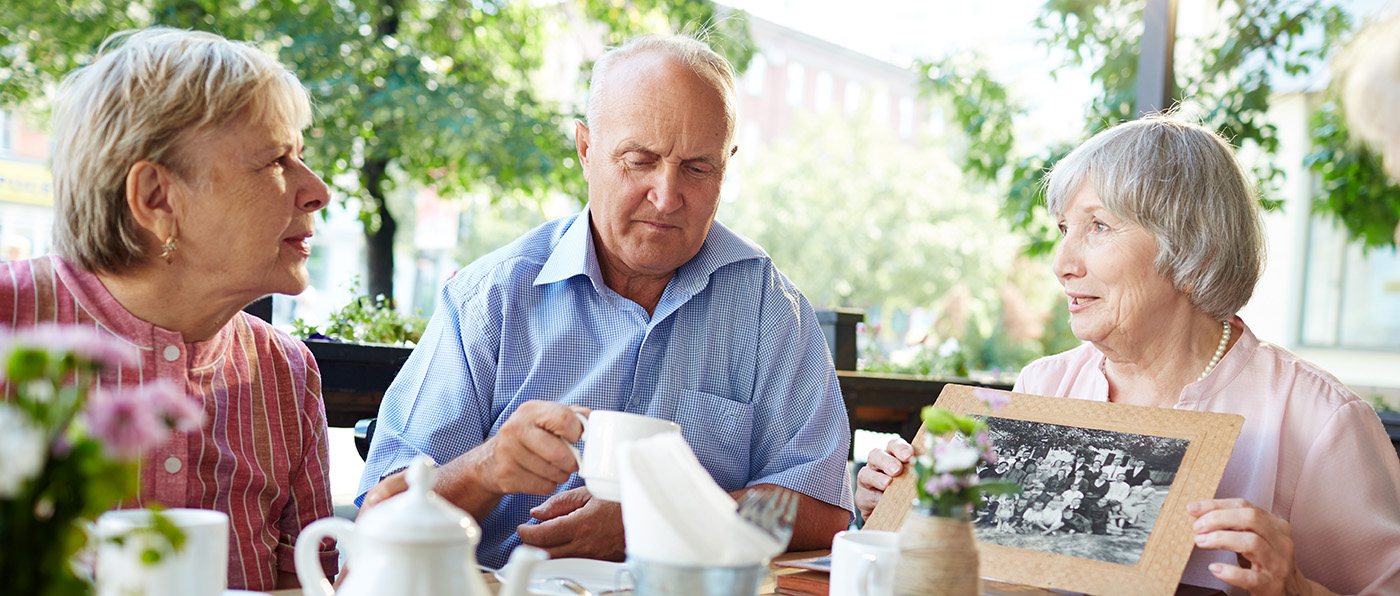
{"x": 865, "y": 578}
{"x": 578, "y": 457}
{"x": 308, "y": 553}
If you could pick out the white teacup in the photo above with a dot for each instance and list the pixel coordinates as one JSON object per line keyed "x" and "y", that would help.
{"x": 199, "y": 568}
{"x": 862, "y": 563}
{"x": 603, "y": 432}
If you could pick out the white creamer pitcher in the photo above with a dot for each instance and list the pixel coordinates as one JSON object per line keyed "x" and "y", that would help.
{"x": 415, "y": 543}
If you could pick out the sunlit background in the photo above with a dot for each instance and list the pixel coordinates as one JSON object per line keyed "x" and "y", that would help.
{"x": 852, "y": 172}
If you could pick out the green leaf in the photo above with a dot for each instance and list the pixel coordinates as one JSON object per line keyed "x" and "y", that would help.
{"x": 938, "y": 421}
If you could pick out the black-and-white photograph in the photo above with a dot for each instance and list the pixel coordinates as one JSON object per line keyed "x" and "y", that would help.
{"x": 1085, "y": 493}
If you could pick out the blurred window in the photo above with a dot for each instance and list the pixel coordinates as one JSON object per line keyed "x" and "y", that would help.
{"x": 1351, "y": 297}
{"x": 853, "y": 97}
{"x": 824, "y": 92}
{"x": 754, "y": 77}
{"x": 796, "y": 84}
{"x": 6, "y": 139}
{"x": 906, "y": 117}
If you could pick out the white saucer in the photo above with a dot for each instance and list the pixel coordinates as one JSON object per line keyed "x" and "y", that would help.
{"x": 244, "y": 593}
{"x": 595, "y": 575}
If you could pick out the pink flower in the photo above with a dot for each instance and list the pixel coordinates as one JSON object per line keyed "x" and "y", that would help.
{"x": 176, "y": 408}
{"x": 125, "y": 422}
{"x": 996, "y": 400}
{"x": 86, "y": 343}
{"x": 940, "y": 483}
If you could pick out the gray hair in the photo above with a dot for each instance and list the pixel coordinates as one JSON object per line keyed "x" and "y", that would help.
{"x": 1181, "y": 182}
{"x": 1368, "y": 78}
{"x": 711, "y": 67}
{"x": 146, "y": 93}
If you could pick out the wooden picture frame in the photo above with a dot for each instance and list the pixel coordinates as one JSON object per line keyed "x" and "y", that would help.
{"x": 1209, "y": 440}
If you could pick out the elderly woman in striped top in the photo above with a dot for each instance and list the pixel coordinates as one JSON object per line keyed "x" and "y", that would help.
{"x": 1163, "y": 244}
{"x": 180, "y": 197}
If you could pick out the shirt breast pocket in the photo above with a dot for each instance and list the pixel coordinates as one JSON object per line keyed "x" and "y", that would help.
{"x": 719, "y": 431}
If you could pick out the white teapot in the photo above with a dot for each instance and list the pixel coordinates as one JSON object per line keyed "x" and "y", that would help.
{"x": 415, "y": 544}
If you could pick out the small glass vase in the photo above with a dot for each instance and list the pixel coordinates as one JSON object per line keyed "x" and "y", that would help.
{"x": 937, "y": 556}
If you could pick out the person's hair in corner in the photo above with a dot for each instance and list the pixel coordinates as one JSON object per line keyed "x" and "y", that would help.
{"x": 711, "y": 67}
{"x": 1368, "y": 79}
{"x": 145, "y": 95}
{"x": 1181, "y": 182}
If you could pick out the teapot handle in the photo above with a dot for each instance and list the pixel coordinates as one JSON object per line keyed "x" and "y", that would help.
{"x": 308, "y": 553}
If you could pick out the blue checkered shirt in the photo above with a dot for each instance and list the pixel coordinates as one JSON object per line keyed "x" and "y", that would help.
{"x": 733, "y": 354}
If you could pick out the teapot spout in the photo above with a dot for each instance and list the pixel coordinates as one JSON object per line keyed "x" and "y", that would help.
{"x": 518, "y": 568}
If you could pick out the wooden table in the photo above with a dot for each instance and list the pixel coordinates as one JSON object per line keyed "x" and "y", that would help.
{"x": 989, "y": 587}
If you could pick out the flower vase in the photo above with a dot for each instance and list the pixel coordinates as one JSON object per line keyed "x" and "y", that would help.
{"x": 937, "y": 557}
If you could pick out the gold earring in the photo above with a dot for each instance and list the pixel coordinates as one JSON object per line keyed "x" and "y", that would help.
{"x": 168, "y": 250}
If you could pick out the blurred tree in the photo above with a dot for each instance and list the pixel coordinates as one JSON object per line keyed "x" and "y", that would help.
{"x": 857, "y": 217}
{"x": 407, "y": 92}
{"x": 1227, "y": 77}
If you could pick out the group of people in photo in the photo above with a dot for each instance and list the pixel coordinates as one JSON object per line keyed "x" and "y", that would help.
{"x": 1089, "y": 492}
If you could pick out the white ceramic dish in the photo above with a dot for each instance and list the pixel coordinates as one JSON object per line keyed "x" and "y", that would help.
{"x": 595, "y": 575}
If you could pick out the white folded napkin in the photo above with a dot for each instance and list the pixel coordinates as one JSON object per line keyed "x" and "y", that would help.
{"x": 673, "y": 512}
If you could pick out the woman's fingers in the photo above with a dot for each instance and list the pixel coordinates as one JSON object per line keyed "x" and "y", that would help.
{"x": 1262, "y": 542}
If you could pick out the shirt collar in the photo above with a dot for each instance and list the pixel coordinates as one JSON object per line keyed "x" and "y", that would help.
{"x": 574, "y": 254}
{"x": 91, "y": 295}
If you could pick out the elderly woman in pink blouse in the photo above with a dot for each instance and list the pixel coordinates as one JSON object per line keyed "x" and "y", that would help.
{"x": 180, "y": 197}
{"x": 1163, "y": 243}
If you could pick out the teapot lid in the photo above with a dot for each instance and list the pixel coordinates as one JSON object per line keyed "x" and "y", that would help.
{"x": 419, "y": 514}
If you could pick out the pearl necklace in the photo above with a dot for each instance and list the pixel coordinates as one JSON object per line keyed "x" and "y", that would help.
{"x": 1219, "y": 351}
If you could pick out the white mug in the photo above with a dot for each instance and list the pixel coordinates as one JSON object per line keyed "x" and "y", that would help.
{"x": 862, "y": 563}
{"x": 199, "y": 568}
{"x": 603, "y": 432}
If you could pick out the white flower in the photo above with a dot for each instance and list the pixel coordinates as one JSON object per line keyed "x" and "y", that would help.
{"x": 39, "y": 391}
{"x": 24, "y": 449}
{"x": 954, "y": 456}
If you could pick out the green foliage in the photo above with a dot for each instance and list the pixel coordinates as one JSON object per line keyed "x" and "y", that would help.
{"x": 726, "y": 32}
{"x": 1378, "y": 402}
{"x": 981, "y": 106}
{"x": 998, "y": 353}
{"x": 1356, "y": 190}
{"x": 366, "y": 320}
{"x": 926, "y": 363}
{"x": 1224, "y": 78}
{"x": 891, "y": 221}
{"x": 407, "y": 92}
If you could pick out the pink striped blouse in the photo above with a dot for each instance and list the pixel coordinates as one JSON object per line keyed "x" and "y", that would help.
{"x": 261, "y": 456}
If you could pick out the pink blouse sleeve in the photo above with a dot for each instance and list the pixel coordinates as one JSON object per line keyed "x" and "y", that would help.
{"x": 310, "y": 482}
{"x": 1346, "y": 510}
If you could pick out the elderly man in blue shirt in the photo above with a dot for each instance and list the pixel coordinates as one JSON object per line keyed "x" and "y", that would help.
{"x": 640, "y": 303}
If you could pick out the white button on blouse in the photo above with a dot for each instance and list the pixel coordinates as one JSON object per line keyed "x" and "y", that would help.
{"x": 172, "y": 464}
{"x": 172, "y": 352}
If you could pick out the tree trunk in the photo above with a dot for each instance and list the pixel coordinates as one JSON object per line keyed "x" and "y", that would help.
{"x": 379, "y": 239}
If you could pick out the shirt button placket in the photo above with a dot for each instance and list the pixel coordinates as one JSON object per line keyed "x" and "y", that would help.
{"x": 172, "y": 488}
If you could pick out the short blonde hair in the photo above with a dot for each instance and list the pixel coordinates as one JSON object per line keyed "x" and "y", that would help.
{"x": 711, "y": 67}
{"x": 1368, "y": 79}
{"x": 146, "y": 93}
{"x": 1181, "y": 182}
